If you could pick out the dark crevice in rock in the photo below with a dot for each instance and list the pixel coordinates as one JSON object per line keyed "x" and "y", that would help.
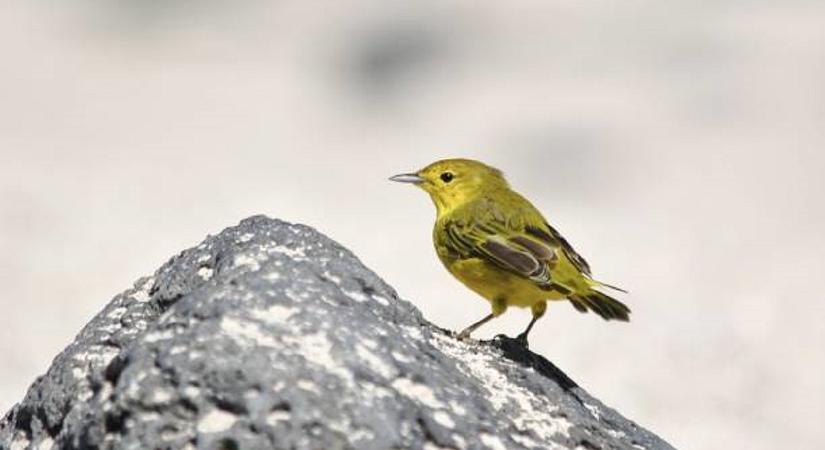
{"x": 227, "y": 443}
{"x": 115, "y": 367}
{"x": 428, "y": 434}
{"x": 588, "y": 445}
{"x": 231, "y": 405}
{"x": 114, "y": 421}
{"x": 365, "y": 287}
{"x": 23, "y": 421}
{"x": 166, "y": 302}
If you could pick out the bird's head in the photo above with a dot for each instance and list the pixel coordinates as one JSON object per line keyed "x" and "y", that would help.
{"x": 450, "y": 182}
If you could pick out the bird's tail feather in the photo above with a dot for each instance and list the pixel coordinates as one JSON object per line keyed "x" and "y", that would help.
{"x": 602, "y": 304}
{"x": 610, "y": 286}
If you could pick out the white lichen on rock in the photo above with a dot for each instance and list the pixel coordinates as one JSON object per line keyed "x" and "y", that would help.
{"x": 206, "y": 273}
{"x": 417, "y": 392}
{"x": 374, "y": 362}
{"x": 492, "y": 442}
{"x": 216, "y": 421}
{"x": 246, "y": 332}
{"x": 529, "y": 412}
{"x": 246, "y": 261}
{"x": 141, "y": 294}
{"x": 274, "y": 314}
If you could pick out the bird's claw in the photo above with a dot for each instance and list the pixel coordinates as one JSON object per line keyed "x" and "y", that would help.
{"x": 463, "y": 336}
{"x": 522, "y": 339}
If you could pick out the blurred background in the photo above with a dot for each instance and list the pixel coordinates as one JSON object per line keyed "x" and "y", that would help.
{"x": 677, "y": 145}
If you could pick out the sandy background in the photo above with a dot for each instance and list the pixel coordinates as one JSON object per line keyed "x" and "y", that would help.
{"x": 678, "y": 145}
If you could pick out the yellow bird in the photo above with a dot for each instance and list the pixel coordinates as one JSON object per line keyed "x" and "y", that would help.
{"x": 500, "y": 246}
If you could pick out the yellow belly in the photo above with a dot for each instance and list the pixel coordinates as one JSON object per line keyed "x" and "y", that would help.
{"x": 494, "y": 283}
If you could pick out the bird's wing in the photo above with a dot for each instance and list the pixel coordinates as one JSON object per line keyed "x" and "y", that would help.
{"x": 551, "y": 236}
{"x": 515, "y": 241}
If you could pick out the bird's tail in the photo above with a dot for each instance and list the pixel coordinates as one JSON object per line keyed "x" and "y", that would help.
{"x": 600, "y": 303}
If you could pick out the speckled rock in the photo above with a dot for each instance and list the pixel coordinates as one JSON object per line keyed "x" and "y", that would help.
{"x": 272, "y": 336}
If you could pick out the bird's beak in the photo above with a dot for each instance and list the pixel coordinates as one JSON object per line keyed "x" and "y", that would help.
{"x": 407, "y": 178}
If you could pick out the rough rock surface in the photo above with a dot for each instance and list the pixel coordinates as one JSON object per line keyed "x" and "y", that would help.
{"x": 272, "y": 336}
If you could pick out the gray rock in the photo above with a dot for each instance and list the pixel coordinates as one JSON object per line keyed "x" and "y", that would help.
{"x": 272, "y": 336}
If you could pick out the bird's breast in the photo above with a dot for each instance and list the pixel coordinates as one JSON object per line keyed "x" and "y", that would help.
{"x": 492, "y": 282}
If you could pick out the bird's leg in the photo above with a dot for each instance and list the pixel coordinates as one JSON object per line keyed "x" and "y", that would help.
{"x": 466, "y": 332}
{"x": 538, "y": 310}
{"x": 522, "y": 338}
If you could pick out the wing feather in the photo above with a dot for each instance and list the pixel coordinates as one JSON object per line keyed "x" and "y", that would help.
{"x": 504, "y": 241}
{"x": 551, "y": 235}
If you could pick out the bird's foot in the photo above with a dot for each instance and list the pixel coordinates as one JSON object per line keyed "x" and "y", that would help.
{"x": 522, "y": 339}
{"x": 463, "y": 335}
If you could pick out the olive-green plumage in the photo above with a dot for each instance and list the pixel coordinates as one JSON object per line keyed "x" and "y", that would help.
{"x": 499, "y": 245}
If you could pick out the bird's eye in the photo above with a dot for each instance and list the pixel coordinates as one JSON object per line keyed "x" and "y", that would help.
{"x": 446, "y": 177}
